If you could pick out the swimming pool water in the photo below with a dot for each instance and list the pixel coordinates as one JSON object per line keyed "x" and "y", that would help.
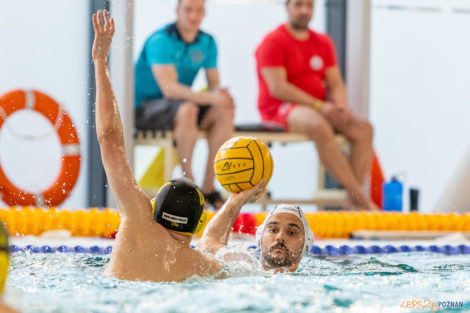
{"x": 67, "y": 282}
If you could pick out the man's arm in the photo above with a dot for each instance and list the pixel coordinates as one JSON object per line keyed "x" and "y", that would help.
{"x": 212, "y": 77}
{"x": 167, "y": 78}
{"x": 280, "y": 88}
{"x": 129, "y": 196}
{"x": 213, "y": 84}
{"x": 336, "y": 86}
{"x": 217, "y": 231}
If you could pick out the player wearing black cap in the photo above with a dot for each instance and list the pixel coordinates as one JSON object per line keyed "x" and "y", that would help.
{"x": 152, "y": 243}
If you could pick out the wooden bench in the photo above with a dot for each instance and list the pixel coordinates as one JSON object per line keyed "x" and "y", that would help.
{"x": 321, "y": 197}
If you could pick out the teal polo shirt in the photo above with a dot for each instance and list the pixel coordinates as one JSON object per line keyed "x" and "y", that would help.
{"x": 166, "y": 47}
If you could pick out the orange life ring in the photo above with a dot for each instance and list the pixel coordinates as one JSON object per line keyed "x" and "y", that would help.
{"x": 34, "y": 100}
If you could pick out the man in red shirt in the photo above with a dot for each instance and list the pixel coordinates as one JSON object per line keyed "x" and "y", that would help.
{"x": 297, "y": 69}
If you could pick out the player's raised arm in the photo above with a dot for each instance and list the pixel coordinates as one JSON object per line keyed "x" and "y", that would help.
{"x": 217, "y": 231}
{"x": 130, "y": 198}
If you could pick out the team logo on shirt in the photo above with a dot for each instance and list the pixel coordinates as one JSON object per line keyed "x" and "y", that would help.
{"x": 197, "y": 56}
{"x": 316, "y": 63}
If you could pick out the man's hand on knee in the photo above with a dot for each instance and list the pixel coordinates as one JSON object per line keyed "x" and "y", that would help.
{"x": 221, "y": 97}
{"x": 335, "y": 114}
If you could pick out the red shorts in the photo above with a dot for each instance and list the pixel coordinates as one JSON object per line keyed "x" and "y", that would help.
{"x": 280, "y": 116}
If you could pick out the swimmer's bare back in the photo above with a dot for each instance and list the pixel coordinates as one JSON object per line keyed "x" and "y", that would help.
{"x": 146, "y": 251}
{"x": 6, "y": 309}
{"x": 143, "y": 250}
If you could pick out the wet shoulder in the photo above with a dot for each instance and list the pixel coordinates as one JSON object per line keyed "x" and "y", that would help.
{"x": 143, "y": 233}
{"x": 207, "y": 263}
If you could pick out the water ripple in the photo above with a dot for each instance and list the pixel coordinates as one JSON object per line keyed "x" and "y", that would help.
{"x": 74, "y": 283}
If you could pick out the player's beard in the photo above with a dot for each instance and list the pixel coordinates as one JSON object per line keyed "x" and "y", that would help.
{"x": 275, "y": 261}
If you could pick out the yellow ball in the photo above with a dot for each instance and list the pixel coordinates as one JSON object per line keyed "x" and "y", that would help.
{"x": 241, "y": 163}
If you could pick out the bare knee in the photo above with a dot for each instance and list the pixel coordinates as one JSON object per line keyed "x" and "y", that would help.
{"x": 365, "y": 131}
{"x": 221, "y": 117}
{"x": 226, "y": 114}
{"x": 186, "y": 116}
{"x": 320, "y": 130}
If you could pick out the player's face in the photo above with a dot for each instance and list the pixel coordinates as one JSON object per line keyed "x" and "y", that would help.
{"x": 282, "y": 240}
{"x": 300, "y": 13}
{"x": 190, "y": 14}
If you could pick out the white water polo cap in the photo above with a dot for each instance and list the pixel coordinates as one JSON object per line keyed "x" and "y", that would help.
{"x": 294, "y": 210}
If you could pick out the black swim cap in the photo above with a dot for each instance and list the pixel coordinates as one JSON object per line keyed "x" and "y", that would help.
{"x": 179, "y": 205}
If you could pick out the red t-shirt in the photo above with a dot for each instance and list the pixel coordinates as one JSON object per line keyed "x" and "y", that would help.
{"x": 304, "y": 60}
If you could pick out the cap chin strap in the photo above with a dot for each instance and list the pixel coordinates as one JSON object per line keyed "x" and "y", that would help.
{"x": 202, "y": 222}
{"x": 180, "y": 232}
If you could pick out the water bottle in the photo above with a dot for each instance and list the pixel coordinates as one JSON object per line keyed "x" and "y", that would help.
{"x": 393, "y": 195}
{"x": 414, "y": 198}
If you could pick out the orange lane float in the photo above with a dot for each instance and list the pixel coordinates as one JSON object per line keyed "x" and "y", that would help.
{"x": 34, "y": 221}
{"x": 17, "y": 100}
{"x": 105, "y": 222}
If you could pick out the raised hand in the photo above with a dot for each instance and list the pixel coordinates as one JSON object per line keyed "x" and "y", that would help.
{"x": 217, "y": 231}
{"x": 103, "y": 35}
{"x": 252, "y": 194}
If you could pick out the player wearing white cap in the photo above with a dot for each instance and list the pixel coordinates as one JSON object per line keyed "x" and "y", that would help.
{"x": 284, "y": 237}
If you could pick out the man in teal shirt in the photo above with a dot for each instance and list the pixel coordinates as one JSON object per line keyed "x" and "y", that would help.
{"x": 165, "y": 71}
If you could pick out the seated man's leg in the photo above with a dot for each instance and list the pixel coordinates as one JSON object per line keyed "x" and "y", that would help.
{"x": 218, "y": 123}
{"x": 313, "y": 124}
{"x": 186, "y": 134}
{"x": 359, "y": 132}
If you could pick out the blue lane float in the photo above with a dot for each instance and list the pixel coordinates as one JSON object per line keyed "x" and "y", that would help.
{"x": 375, "y": 249}
{"x": 328, "y": 250}
{"x": 61, "y": 249}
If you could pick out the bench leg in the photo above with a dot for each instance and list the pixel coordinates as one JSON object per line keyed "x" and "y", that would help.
{"x": 168, "y": 166}
{"x": 320, "y": 181}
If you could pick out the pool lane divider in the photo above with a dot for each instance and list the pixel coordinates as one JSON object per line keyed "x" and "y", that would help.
{"x": 96, "y": 222}
{"x": 328, "y": 250}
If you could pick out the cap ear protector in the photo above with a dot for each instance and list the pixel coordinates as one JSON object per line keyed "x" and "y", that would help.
{"x": 4, "y": 256}
{"x": 179, "y": 207}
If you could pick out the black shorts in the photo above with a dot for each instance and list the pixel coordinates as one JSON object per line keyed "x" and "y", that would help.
{"x": 160, "y": 113}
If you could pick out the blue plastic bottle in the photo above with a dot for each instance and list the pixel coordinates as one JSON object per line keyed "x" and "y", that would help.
{"x": 393, "y": 195}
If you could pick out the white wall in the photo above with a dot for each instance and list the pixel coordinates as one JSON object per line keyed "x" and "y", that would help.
{"x": 419, "y": 89}
{"x": 357, "y": 55}
{"x": 44, "y": 47}
{"x": 238, "y": 27}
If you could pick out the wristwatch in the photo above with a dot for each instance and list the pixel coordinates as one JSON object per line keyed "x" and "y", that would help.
{"x": 317, "y": 104}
